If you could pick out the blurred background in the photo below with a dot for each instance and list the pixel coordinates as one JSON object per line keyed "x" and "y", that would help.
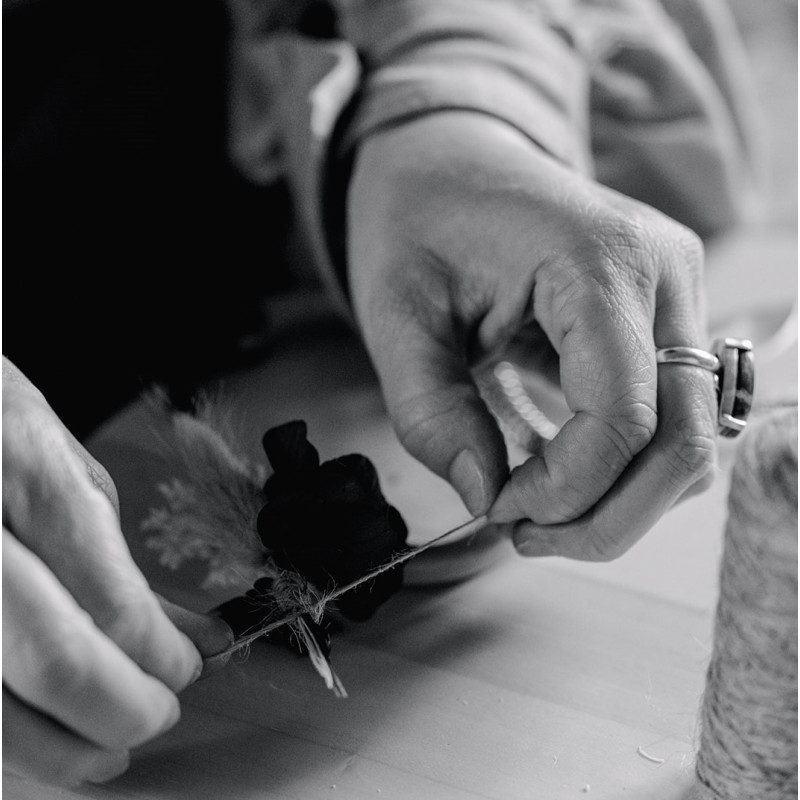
{"x": 769, "y": 29}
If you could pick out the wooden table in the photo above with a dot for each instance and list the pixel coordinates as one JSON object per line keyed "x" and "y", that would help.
{"x": 507, "y": 678}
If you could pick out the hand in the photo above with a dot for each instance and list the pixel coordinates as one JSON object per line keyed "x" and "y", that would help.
{"x": 91, "y": 661}
{"x": 465, "y": 239}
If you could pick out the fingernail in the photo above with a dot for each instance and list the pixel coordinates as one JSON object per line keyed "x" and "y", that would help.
{"x": 530, "y": 546}
{"x": 218, "y": 636}
{"x": 196, "y": 661}
{"x": 467, "y": 477}
{"x": 197, "y": 672}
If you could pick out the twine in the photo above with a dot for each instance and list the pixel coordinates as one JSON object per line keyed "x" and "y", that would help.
{"x": 748, "y": 721}
{"x": 316, "y": 607}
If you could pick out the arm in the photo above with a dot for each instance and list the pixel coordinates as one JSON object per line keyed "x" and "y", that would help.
{"x": 470, "y": 227}
{"x": 475, "y": 218}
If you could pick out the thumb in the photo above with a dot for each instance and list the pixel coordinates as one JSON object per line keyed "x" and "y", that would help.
{"x": 209, "y": 634}
{"x": 440, "y": 417}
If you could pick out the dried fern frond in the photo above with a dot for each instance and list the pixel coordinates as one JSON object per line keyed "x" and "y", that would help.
{"x": 211, "y": 513}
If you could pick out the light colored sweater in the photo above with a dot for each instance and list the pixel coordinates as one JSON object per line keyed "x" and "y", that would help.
{"x": 651, "y": 98}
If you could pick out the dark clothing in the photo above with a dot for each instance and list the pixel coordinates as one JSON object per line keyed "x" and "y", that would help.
{"x": 134, "y": 251}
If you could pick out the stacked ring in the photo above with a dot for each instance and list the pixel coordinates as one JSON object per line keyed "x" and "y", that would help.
{"x": 732, "y": 364}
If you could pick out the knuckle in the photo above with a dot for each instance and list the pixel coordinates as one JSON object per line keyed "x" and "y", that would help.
{"x": 639, "y": 424}
{"x": 604, "y": 548}
{"x": 102, "y": 480}
{"x": 23, "y": 424}
{"x": 420, "y": 419}
{"x": 692, "y": 455}
{"x": 624, "y": 233}
{"x": 565, "y": 508}
{"x": 32, "y": 436}
{"x": 562, "y": 505}
{"x": 631, "y": 429}
{"x": 625, "y": 239}
{"x": 128, "y": 618}
{"x": 690, "y": 247}
{"x": 615, "y": 258}
{"x": 683, "y": 257}
{"x": 63, "y": 668}
{"x": 135, "y": 622}
{"x": 629, "y": 245}
{"x": 624, "y": 434}
{"x": 34, "y": 449}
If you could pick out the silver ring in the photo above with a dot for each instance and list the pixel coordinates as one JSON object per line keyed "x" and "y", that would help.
{"x": 692, "y": 356}
{"x": 734, "y": 377}
{"x": 731, "y": 365}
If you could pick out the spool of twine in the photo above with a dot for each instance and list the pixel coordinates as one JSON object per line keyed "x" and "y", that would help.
{"x": 748, "y": 721}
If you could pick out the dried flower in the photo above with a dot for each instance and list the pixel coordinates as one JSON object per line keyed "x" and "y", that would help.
{"x": 307, "y": 530}
{"x": 329, "y": 522}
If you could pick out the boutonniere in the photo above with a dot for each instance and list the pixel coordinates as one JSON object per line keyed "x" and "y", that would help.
{"x": 312, "y": 540}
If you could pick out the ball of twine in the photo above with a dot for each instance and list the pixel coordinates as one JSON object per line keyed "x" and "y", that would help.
{"x": 748, "y": 721}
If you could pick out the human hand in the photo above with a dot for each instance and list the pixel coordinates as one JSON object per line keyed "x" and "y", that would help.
{"x": 91, "y": 659}
{"x": 465, "y": 239}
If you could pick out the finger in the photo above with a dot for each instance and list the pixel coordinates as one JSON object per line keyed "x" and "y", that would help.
{"x": 51, "y": 505}
{"x": 608, "y": 375}
{"x": 57, "y": 661}
{"x": 605, "y": 311}
{"x": 36, "y": 747}
{"x": 211, "y": 635}
{"x": 679, "y": 460}
{"x": 438, "y": 413}
{"x": 97, "y": 473}
{"x": 702, "y": 484}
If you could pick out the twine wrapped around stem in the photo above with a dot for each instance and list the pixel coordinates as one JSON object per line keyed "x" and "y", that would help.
{"x": 316, "y": 609}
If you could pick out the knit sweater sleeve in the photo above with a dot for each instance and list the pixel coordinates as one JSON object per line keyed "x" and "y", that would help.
{"x": 616, "y": 89}
{"x": 395, "y": 60}
{"x": 509, "y": 60}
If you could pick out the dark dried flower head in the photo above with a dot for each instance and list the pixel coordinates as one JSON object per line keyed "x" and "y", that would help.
{"x": 330, "y": 522}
